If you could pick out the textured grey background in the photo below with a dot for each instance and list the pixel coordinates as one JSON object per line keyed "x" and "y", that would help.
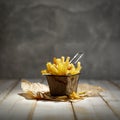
{"x": 32, "y": 32}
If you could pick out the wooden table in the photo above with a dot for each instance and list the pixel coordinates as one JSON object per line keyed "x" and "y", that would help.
{"x": 104, "y": 107}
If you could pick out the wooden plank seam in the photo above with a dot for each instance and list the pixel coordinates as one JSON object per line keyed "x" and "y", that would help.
{"x": 11, "y": 88}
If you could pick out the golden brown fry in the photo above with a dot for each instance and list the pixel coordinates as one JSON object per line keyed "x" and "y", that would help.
{"x": 67, "y": 59}
{"x": 63, "y": 59}
{"x": 44, "y": 71}
{"x": 53, "y": 70}
{"x": 48, "y": 65}
{"x": 78, "y": 66}
{"x": 74, "y": 95}
{"x": 60, "y": 66}
{"x": 60, "y": 69}
{"x": 54, "y": 60}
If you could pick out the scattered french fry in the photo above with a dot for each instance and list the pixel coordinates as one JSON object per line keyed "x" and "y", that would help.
{"x": 74, "y": 95}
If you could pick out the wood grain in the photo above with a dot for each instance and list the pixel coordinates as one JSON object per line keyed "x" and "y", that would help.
{"x": 5, "y": 88}
{"x": 111, "y": 96}
{"x": 53, "y": 111}
{"x": 15, "y": 107}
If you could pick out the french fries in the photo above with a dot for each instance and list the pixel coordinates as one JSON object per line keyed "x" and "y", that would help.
{"x": 61, "y": 66}
{"x": 74, "y": 95}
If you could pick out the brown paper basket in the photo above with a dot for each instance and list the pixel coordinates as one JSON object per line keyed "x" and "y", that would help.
{"x": 62, "y": 85}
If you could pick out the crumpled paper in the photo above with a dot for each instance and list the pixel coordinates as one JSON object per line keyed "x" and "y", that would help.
{"x": 40, "y": 91}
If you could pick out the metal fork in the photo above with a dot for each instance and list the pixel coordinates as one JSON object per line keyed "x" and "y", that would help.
{"x": 76, "y": 57}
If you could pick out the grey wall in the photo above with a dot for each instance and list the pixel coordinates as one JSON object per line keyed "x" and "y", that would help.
{"x": 32, "y": 32}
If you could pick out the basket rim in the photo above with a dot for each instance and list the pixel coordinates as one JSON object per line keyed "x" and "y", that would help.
{"x": 60, "y": 75}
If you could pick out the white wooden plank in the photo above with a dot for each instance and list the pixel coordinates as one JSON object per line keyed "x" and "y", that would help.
{"x": 50, "y": 110}
{"x": 116, "y": 82}
{"x": 5, "y": 87}
{"x": 33, "y": 80}
{"x": 93, "y": 108}
{"x": 111, "y": 96}
{"x": 1, "y": 81}
{"x": 112, "y": 93}
{"x": 115, "y": 106}
{"x": 81, "y": 81}
{"x": 15, "y": 107}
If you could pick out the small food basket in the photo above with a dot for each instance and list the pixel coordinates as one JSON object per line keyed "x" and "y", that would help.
{"x": 63, "y": 75}
{"x": 62, "y": 85}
